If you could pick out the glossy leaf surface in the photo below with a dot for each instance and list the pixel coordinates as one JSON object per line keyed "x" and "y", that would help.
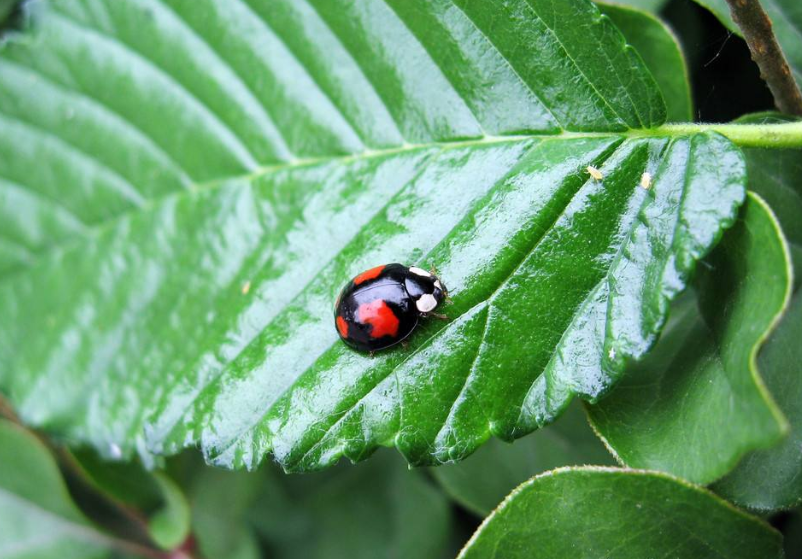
{"x": 583, "y": 513}
{"x": 38, "y": 519}
{"x": 697, "y": 404}
{"x": 481, "y": 482}
{"x": 178, "y": 290}
{"x": 786, "y": 19}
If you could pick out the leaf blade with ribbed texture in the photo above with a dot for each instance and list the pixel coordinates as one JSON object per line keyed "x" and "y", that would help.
{"x": 269, "y": 155}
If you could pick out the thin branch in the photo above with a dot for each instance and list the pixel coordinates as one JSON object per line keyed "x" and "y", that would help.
{"x": 755, "y": 24}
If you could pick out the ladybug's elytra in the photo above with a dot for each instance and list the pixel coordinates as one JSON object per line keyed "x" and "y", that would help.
{"x": 381, "y": 306}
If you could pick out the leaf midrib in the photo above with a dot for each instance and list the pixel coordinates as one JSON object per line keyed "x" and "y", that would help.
{"x": 93, "y": 230}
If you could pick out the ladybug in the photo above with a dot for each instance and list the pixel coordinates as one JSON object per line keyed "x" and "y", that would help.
{"x": 380, "y": 307}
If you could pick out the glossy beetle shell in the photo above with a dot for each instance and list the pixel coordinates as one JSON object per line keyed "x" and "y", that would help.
{"x": 381, "y": 306}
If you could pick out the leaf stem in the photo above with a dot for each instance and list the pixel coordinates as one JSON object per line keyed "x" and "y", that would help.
{"x": 755, "y": 24}
{"x": 785, "y": 135}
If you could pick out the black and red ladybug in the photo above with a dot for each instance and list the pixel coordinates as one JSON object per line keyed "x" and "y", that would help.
{"x": 381, "y": 306}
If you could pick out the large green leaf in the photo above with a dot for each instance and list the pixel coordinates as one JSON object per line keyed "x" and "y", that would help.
{"x": 38, "y": 519}
{"x": 587, "y": 513}
{"x": 481, "y": 482}
{"x": 184, "y": 241}
{"x": 661, "y": 52}
{"x": 697, "y": 404}
{"x": 786, "y": 19}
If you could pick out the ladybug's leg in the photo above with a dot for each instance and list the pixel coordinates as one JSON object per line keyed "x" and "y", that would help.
{"x": 405, "y": 344}
{"x": 437, "y": 315}
{"x": 371, "y": 354}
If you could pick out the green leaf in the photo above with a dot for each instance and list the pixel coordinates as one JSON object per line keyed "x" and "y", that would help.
{"x": 151, "y": 496}
{"x": 786, "y": 19}
{"x": 126, "y": 483}
{"x": 37, "y": 516}
{"x": 775, "y": 175}
{"x": 481, "y": 482}
{"x": 697, "y": 404}
{"x": 397, "y": 511}
{"x": 169, "y": 526}
{"x": 182, "y": 295}
{"x": 772, "y": 479}
{"x": 627, "y": 514}
{"x": 662, "y": 53}
{"x": 6, "y": 7}
{"x": 721, "y": 10}
{"x": 647, "y": 5}
{"x": 220, "y": 504}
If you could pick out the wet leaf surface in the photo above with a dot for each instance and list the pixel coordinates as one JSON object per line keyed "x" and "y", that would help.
{"x": 172, "y": 255}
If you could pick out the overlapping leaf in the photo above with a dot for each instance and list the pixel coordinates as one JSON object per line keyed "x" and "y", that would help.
{"x": 583, "y": 512}
{"x": 37, "y": 515}
{"x": 697, "y": 404}
{"x": 661, "y": 52}
{"x": 172, "y": 279}
{"x": 772, "y": 479}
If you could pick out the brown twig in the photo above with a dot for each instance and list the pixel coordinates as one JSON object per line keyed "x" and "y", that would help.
{"x": 767, "y": 54}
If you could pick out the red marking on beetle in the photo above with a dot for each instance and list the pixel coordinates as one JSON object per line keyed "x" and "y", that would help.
{"x": 368, "y": 275}
{"x": 342, "y": 327}
{"x": 380, "y": 317}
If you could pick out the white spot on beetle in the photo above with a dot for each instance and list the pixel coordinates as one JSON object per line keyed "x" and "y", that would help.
{"x": 420, "y": 272}
{"x": 438, "y": 285}
{"x": 426, "y": 302}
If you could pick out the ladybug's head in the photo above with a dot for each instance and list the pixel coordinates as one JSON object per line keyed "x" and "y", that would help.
{"x": 426, "y": 289}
